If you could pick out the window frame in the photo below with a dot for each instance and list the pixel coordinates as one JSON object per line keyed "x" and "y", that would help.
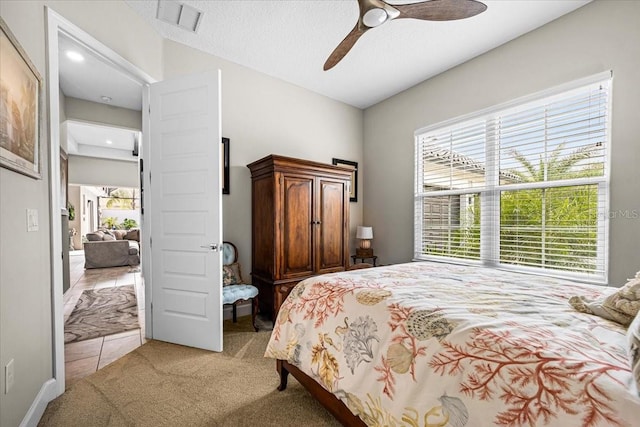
{"x": 490, "y": 193}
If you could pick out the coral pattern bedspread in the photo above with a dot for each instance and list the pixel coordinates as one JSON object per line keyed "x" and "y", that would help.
{"x": 431, "y": 344}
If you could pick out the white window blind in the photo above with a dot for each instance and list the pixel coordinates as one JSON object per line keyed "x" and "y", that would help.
{"x": 521, "y": 186}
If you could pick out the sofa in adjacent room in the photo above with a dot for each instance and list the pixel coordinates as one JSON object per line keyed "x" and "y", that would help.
{"x": 112, "y": 248}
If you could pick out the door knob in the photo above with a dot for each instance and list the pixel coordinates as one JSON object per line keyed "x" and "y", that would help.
{"x": 212, "y": 246}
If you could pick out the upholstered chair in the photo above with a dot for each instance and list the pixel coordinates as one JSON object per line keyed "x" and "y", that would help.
{"x": 234, "y": 290}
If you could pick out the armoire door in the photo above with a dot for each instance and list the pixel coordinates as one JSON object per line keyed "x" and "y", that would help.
{"x": 297, "y": 225}
{"x": 332, "y": 232}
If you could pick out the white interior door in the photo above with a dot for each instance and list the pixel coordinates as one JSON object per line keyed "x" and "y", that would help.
{"x": 185, "y": 211}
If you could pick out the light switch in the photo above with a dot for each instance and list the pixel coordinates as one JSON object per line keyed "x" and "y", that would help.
{"x": 32, "y": 220}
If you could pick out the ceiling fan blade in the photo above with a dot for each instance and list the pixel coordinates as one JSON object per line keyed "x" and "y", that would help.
{"x": 344, "y": 47}
{"x": 441, "y": 10}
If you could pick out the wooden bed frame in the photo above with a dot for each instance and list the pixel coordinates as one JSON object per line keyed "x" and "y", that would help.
{"x": 326, "y": 399}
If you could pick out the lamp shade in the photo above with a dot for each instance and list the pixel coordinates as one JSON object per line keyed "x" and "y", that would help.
{"x": 364, "y": 232}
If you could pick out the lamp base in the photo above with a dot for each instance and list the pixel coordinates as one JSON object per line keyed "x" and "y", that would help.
{"x": 364, "y": 252}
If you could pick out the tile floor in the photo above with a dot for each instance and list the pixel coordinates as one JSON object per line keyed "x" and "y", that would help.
{"x": 86, "y": 357}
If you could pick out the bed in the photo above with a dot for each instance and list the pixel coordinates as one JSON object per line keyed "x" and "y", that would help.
{"x": 434, "y": 344}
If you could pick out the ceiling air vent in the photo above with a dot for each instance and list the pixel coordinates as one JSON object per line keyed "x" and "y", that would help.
{"x": 179, "y": 14}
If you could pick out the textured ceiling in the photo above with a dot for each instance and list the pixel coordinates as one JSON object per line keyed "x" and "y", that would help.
{"x": 291, "y": 39}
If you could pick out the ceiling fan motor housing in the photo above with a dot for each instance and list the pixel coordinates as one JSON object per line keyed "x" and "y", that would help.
{"x": 374, "y": 13}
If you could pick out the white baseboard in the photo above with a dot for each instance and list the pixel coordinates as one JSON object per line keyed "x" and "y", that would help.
{"x": 46, "y": 394}
{"x": 242, "y": 310}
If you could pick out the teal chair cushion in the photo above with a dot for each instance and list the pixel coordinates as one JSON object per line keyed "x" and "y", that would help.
{"x": 233, "y": 293}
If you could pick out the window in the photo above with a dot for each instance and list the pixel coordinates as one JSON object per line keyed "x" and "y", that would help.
{"x": 521, "y": 186}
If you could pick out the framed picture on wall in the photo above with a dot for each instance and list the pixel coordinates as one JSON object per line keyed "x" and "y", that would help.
{"x": 224, "y": 165}
{"x": 20, "y": 87}
{"x": 353, "y": 196}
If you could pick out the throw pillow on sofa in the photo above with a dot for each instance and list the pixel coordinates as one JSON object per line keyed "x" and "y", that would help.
{"x": 133, "y": 234}
{"x": 96, "y": 236}
{"x": 119, "y": 234}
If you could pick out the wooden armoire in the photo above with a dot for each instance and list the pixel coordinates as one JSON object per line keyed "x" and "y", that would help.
{"x": 300, "y": 224}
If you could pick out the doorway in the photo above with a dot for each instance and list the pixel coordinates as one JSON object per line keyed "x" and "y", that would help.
{"x": 59, "y": 32}
{"x": 187, "y": 220}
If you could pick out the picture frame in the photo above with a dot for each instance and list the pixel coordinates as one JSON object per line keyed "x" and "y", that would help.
{"x": 353, "y": 190}
{"x": 224, "y": 166}
{"x": 64, "y": 179}
{"x": 20, "y": 111}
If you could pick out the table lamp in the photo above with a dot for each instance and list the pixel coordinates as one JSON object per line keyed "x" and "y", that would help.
{"x": 365, "y": 234}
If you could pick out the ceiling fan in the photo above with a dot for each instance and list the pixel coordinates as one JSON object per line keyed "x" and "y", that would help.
{"x": 374, "y": 13}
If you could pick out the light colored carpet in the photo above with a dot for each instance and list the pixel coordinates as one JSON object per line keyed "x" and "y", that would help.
{"x": 161, "y": 384}
{"x": 102, "y": 312}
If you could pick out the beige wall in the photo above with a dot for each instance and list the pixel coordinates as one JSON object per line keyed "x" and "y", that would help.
{"x": 263, "y": 115}
{"x": 103, "y": 172}
{"x": 79, "y": 109}
{"x": 600, "y": 36}
{"x": 25, "y": 274}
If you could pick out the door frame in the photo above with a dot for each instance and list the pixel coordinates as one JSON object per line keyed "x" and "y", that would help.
{"x": 56, "y": 24}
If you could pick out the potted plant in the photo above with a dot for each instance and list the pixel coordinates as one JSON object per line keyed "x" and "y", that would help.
{"x": 72, "y": 211}
{"x": 128, "y": 224}
{"x": 110, "y": 222}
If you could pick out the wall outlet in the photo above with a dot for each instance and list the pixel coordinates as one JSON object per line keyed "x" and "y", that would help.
{"x": 9, "y": 378}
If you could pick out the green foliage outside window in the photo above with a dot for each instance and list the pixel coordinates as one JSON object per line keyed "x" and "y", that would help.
{"x": 112, "y": 223}
{"x": 553, "y": 227}
{"x": 121, "y": 198}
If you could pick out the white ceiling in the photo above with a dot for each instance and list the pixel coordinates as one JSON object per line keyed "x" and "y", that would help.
{"x": 90, "y": 79}
{"x": 291, "y": 39}
{"x": 93, "y": 78}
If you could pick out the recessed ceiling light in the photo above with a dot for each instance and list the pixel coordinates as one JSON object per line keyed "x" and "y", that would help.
{"x": 105, "y": 98}
{"x": 74, "y": 56}
{"x": 109, "y": 141}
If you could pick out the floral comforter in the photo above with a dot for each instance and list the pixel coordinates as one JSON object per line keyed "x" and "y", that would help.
{"x": 431, "y": 344}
